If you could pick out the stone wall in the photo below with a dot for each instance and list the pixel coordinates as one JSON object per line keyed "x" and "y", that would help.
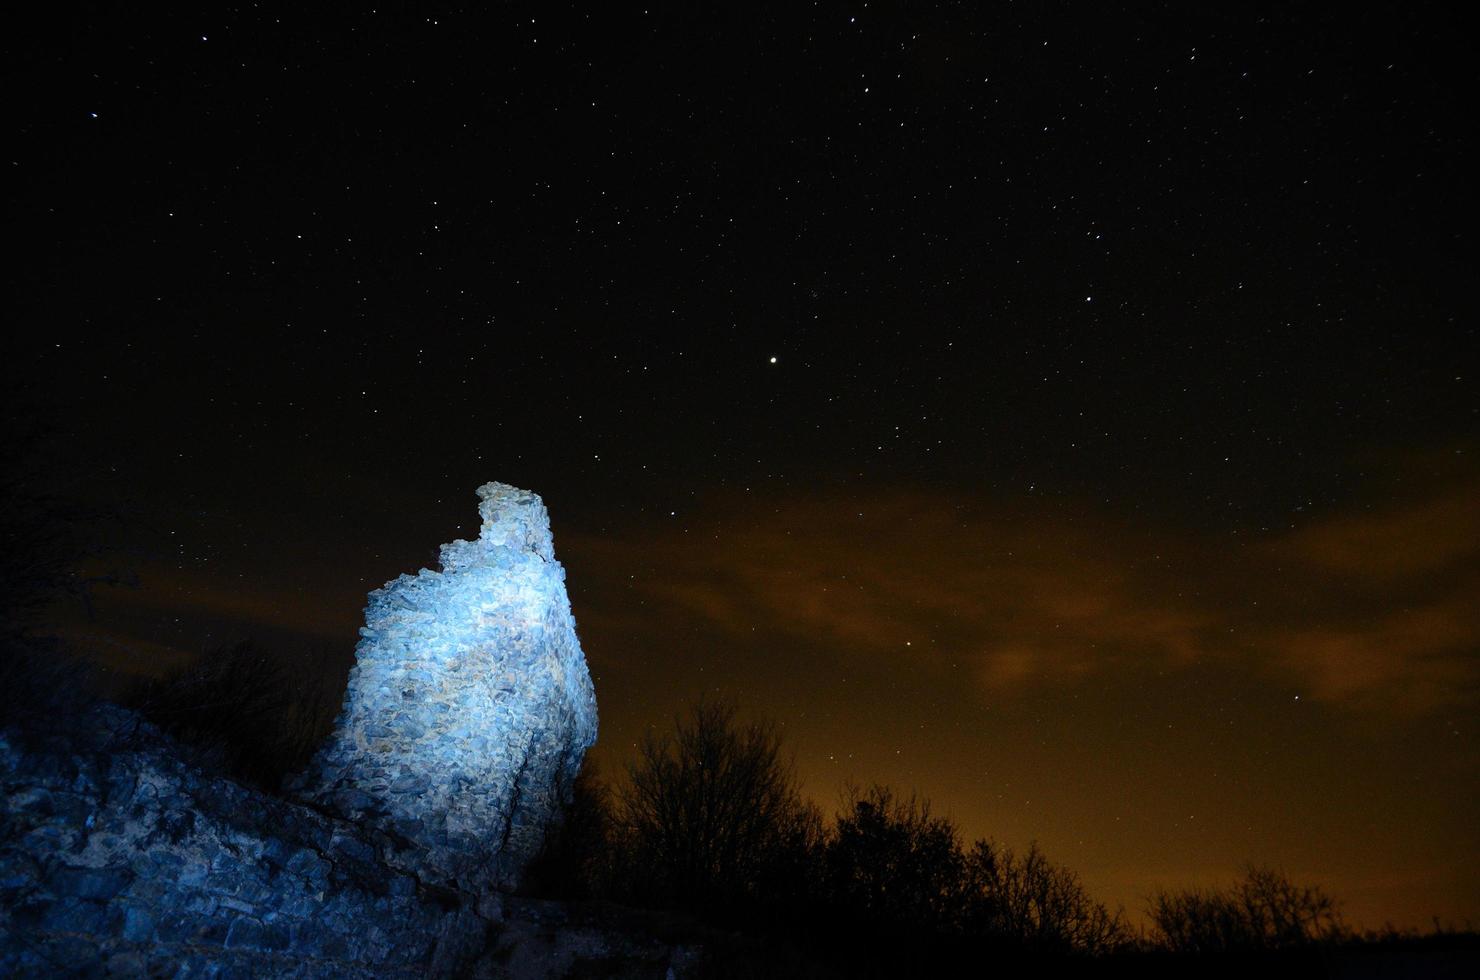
{"x": 469, "y": 707}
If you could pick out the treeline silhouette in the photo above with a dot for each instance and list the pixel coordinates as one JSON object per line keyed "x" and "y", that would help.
{"x": 708, "y": 820}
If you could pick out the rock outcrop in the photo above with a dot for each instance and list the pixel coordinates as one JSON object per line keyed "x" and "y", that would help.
{"x": 118, "y": 859}
{"x": 469, "y": 707}
{"x": 467, "y": 714}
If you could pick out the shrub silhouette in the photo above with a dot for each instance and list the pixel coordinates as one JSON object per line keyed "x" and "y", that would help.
{"x": 890, "y": 861}
{"x": 248, "y": 713}
{"x": 710, "y": 813}
{"x": 710, "y": 819}
{"x": 1033, "y": 903}
{"x": 1263, "y": 910}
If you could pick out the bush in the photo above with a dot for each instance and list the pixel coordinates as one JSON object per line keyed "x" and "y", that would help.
{"x": 246, "y": 713}
{"x": 1263, "y": 910}
{"x": 711, "y": 815}
{"x": 1033, "y": 903}
{"x": 890, "y": 862}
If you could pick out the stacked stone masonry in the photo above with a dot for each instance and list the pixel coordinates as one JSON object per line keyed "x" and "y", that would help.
{"x": 469, "y": 708}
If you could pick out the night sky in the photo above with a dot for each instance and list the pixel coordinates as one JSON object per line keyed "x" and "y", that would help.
{"x": 1065, "y": 411}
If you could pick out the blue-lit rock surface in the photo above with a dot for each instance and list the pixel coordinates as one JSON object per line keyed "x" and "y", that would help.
{"x": 467, "y": 713}
{"x": 117, "y": 858}
{"x": 469, "y": 707}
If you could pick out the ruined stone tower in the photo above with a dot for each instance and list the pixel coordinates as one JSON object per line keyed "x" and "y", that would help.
{"x": 469, "y": 707}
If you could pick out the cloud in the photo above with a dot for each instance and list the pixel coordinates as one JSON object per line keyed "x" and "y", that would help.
{"x": 1367, "y": 609}
{"x": 1398, "y": 543}
{"x": 1387, "y": 615}
{"x": 1024, "y": 596}
{"x": 1411, "y": 660}
{"x": 251, "y": 602}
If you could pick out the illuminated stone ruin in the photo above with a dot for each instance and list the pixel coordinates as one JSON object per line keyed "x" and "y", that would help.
{"x": 469, "y": 707}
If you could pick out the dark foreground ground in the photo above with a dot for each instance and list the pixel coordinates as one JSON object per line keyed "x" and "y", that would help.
{"x": 543, "y": 938}
{"x": 117, "y": 858}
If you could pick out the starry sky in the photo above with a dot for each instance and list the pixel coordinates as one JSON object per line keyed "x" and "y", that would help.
{"x": 1066, "y": 411}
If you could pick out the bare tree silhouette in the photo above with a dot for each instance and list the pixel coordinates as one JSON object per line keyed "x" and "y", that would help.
{"x": 253, "y": 714}
{"x": 890, "y": 861}
{"x": 1033, "y": 902}
{"x": 711, "y": 810}
{"x": 1262, "y": 910}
